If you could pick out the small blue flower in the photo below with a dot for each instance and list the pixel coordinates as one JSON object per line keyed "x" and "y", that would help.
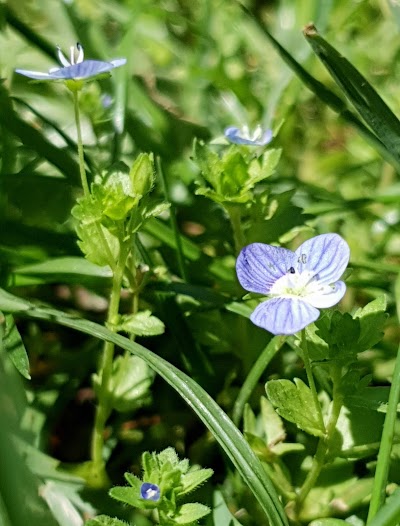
{"x": 74, "y": 69}
{"x": 149, "y": 491}
{"x": 243, "y": 136}
{"x": 298, "y": 283}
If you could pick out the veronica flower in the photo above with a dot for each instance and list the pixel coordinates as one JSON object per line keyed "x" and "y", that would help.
{"x": 76, "y": 68}
{"x": 150, "y": 491}
{"x": 298, "y": 283}
{"x": 243, "y": 136}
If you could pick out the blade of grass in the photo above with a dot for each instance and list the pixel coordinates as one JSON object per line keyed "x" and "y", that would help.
{"x": 359, "y": 91}
{"x": 383, "y": 464}
{"x": 328, "y": 97}
{"x": 389, "y": 514}
{"x": 225, "y": 432}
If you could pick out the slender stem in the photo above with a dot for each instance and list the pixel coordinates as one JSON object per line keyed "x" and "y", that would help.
{"x": 310, "y": 377}
{"x": 82, "y": 170}
{"x": 234, "y": 213}
{"x": 174, "y": 223}
{"x": 104, "y": 406}
{"x": 382, "y": 467}
{"x": 254, "y": 376}
{"x": 324, "y": 442}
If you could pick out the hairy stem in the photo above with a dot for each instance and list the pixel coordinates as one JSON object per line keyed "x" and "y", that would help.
{"x": 82, "y": 171}
{"x": 234, "y": 213}
{"x": 104, "y": 405}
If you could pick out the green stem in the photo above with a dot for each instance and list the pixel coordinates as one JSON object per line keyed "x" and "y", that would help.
{"x": 174, "y": 223}
{"x": 310, "y": 377}
{"x": 324, "y": 442}
{"x": 82, "y": 170}
{"x": 382, "y": 467}
{"x": 104, "y": 405}
{"x": 254, "y": 376}
{"x": 235, "y": 216}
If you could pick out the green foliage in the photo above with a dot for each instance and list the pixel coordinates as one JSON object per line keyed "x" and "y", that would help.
{"x": 294, "y": 402}
{"x": 12, "y": 344}
{"x": 175, "y": 479}
{"x": 232, "y": 176}
{"x": 118, "y": 261}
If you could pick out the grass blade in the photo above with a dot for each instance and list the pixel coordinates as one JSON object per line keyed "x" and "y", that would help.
{"x": 359, "y": 91}
{"x": 225, "y": 432}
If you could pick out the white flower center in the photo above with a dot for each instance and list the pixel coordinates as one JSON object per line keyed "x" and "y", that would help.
{"x": 150, "y": 493}
{"x": 255, "y": 136}
{"x": 299, "y": 285}
{"x": 76, "y": 56}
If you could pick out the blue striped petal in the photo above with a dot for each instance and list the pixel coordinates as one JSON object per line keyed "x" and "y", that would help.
{"x": 284, "y": 315}
{"x": 327, "y": 255}
{"x": 258, "y": 266}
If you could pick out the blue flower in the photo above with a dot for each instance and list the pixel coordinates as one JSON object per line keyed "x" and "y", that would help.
{"x": 298, "y": 283}
{"x": 74, "y": 69}
{"x": 243, "y": 136}
{"x": 149, "y": 491}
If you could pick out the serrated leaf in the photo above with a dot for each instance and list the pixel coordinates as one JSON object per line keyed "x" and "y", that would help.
{"x": 129, "y": 496}
{"x": 294, "y": 402}
{"x": 260, "y": 169}
{"x": 188, "y": 513}
{"x": 104, "y": 520}
{"x": 193, "y": 479}
{"x": 141, "y": 324}
{"x": 14, "y": 346}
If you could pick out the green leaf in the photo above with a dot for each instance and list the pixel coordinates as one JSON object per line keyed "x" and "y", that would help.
{"x": 94, "y": 236}
{"x": 372, "y": 320}
{"x": 260, "y": 169}
{"x": 389, "y": 513}
{"x": 141, "y": 324}
{"x": 14, "y": 346}
{"x": 129, "y": 496}
{"x": 328, "y": 522}
{"x": 130, "y": 383}
{"x": 67, "y": 267}
{"x": 194, "y": 479}
{"x": 191, "y": 512}
{"x": 225, "y": 432}
{"x": 294, "y": 402}
{"x": 142, "y": 174}
{"x": 221, "y": 513}
{"x": 359, "y": 91}
{"x": 104, "y": 520}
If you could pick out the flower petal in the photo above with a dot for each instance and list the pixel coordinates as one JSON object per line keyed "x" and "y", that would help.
{"x": 329, "y": 298}
{"x": 150, "y": 491}
{"x": 37, "y": 75}
{"x": 284, "y": 315}
{"x": 118, "y": 62}
{"x": 83, "y": 70}
{"x": 258, "y": 266}
{"x": 327, "y": 255}
{"x": 237, "y": 136}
